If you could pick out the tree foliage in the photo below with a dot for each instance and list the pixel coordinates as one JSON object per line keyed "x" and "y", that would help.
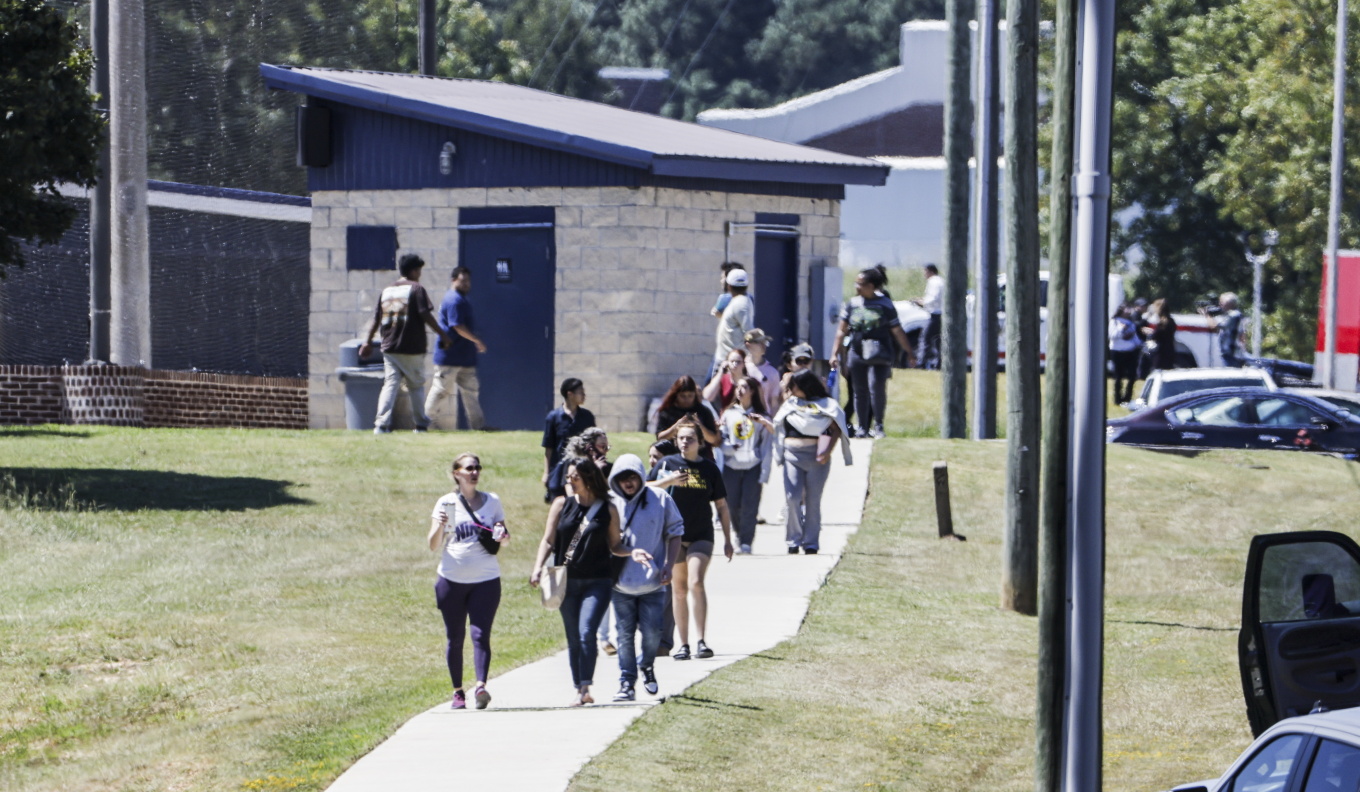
{"x": 49, "y": 130}
{"x": 1223, "y": 125}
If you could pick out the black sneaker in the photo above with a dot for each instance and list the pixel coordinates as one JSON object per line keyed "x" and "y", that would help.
{"x": 683, "y": 654}
{"x": 809, "y": 551}
{"x": 704, "y": 652}
{"x": 625, "y": 692}
{"x": 649, "y": 680}
{"x": 793, "y": 550}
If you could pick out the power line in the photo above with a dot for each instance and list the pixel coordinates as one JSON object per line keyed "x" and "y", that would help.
{"x": 566, "y": 55}
{"x": 548, "y": 50}
{"x": 674, "y": 26}
{"x": 700, "y": 51}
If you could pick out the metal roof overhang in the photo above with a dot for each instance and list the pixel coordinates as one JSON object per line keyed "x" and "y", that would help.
{"x": 282, "y": 78}
{"x": 756, "y": 170}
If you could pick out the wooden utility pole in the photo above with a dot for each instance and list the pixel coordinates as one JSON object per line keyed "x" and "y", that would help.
{"x": 1019, "y": 581}
{"x": 1048, "y": 715}
{"x": 958, "y": 116}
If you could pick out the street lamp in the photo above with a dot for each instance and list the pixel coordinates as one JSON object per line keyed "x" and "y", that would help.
{"x": 1257, "y": 262}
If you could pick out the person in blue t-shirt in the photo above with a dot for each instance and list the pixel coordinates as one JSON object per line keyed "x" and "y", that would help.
{"x": 456, "y": 367}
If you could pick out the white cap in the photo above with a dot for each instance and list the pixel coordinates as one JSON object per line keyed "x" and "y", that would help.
{"x": 737, "y": 277}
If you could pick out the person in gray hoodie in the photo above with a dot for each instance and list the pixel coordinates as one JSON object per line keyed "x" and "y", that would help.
{"x": 651, "y": 532}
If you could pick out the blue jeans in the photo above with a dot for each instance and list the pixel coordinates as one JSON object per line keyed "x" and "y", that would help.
{"x": 582, "y": 608}
{"x": 633, "y": 612}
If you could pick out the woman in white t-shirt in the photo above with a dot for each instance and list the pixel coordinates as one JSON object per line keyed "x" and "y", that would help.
{"x": 467, "y": 528}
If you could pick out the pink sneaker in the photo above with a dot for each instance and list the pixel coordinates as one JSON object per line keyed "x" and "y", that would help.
{"x": 459, "y": 700}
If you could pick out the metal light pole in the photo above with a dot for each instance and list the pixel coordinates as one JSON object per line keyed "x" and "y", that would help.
{"x": 428, "y": 55}
{"x": 984, "y": 278}
{"x": 1334, "y": 212}
{"x": 1086, "y": 455}
{"x": 1258, "y": 262}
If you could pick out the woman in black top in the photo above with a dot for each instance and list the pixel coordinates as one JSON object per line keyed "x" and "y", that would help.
{"x": 590, "y": 576}
{"x": 696, "y": 486}
{"x": 683, "y": 400}
{"x": 1161, "y": 331}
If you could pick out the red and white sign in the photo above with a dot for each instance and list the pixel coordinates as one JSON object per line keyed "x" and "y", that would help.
{"x": 1347, "y": 321}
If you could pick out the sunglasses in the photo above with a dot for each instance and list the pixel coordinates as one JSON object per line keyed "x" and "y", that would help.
{"x": 471, "y": 468}
{"x": 802, "y": 360}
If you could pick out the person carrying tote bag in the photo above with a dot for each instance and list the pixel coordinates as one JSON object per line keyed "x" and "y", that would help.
{"x": 581, "y": 531}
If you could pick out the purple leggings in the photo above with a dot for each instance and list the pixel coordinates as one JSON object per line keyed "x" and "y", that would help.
{"x": 461, "y": 603}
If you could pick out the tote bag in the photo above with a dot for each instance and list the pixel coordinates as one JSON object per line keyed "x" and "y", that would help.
{"x": 552, "y": 584}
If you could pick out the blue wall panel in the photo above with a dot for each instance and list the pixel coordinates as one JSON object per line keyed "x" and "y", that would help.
{"x": 379, "y": 151}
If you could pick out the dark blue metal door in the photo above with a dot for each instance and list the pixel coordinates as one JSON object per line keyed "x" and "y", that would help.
{"x": 513, "y": 280}
{"x": 776, "y": 290}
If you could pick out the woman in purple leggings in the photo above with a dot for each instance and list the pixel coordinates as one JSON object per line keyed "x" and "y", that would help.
{"x": 467, "y": 528}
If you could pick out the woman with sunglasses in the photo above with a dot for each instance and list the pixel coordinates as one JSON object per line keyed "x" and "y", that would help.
{"x": 807, "y": 428}
{"x": 582, "y": 533}
{"x": 468, "y": 529}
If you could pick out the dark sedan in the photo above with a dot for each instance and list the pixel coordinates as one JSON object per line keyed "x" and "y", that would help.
{"x": 1241, "y": 418}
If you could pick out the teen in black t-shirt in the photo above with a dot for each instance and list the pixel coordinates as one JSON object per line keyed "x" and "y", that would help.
{"x": 694, "y": 483}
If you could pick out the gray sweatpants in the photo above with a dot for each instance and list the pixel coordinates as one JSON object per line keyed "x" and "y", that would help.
{"x": 804, "y": 481}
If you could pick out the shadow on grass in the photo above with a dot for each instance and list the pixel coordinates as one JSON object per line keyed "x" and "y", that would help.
{"x": 129, "y": 490}
{"x": 1177, "y": 625}
{"x": 695, "y": 701}
{"x": 32, "y": 432}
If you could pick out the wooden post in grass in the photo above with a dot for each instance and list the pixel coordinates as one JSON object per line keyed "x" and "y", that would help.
{"x": 1020, "y": 570}
{"x": 944, "y": 516}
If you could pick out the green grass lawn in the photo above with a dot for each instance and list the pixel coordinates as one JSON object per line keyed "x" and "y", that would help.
{"x": 907, "y": 675}
{"x": 223, "y": 609}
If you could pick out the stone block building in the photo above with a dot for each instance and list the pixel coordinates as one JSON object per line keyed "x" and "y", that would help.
{"x": 594, "y": 234}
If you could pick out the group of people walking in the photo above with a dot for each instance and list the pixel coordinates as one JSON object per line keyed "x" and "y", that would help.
{"x": 635, "y": 537}
{"x": 638, "y": 538}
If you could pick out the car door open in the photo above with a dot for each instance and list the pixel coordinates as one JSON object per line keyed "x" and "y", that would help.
{"x": 1300, "y": 639}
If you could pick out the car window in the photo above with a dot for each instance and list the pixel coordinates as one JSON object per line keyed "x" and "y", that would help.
{"x": 1335, "y": 768}
{"x": 1282, "y": 412}
{"x": 1342, "y": 402}
{"x": 1177, "y": 387}
{"x": 1307, "y": 580}
{"x": 1268, "y": 770}
{"x": 1220, "y": 411}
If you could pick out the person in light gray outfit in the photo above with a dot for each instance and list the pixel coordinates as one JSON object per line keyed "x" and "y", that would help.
{"x": 652, "y": 527}
{"x": 807, "y": 428}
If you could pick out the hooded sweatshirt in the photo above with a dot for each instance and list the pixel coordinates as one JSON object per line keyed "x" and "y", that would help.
{"x": 648, "y": 519}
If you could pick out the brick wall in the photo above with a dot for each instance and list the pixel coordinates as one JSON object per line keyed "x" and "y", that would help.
{"x": 130, "y": 396}
{"x": 30, "y": 395}
{"x": 184, "y": 399}
{"x": 636, "y": 277}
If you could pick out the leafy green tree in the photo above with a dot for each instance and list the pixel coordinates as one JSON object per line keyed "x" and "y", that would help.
{"x": 1223, "y": 125}
{"x": 559, "y": 40}
{"x": 49, "y": 129}
{"x": 810, "y": 45}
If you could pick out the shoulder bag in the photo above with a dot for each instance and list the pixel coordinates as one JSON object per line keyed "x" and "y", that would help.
{"x": 552, "y": 584}
{"x": 484, "y": 536}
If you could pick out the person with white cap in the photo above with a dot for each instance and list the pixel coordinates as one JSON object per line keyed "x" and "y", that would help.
{"x": 738, "y": 318}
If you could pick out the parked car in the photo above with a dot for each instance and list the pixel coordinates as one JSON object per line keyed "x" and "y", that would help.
{"x": 1162, "y": 384}
{"x": 1299, "y": 651}
{"x": 1286, "y": 373}
{"x": 1251, "y": 417}
{"x": 1344, "y": 400}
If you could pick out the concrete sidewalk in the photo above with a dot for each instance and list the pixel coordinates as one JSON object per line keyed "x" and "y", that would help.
{"x": 755, "y": 602}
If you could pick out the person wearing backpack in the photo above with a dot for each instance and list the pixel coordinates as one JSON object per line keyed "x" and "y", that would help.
{"x": 467, "y": 529}
{"x": 652, "y": 528}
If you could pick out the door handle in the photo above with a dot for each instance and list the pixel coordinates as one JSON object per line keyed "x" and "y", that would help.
{"x": 1268, "y": 438}
{"x": 1191, "y": 436}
